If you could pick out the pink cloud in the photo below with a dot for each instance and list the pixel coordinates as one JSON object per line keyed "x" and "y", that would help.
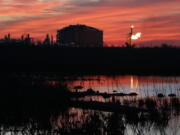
{"x": 157, "y": 21}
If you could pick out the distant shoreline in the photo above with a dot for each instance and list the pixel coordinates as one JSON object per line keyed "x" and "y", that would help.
{"x": 153, "y": 61}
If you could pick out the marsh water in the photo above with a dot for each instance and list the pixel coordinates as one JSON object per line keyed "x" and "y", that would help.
{"x": 76, "y": 120}
{"x": 143, "y": 85}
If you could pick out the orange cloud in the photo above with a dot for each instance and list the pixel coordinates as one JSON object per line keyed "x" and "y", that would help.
{"x": 156, "y": 21}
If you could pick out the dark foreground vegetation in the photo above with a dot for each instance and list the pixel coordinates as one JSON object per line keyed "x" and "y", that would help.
{"x": 162, "y": 60}
{"x": 24, "y": 102}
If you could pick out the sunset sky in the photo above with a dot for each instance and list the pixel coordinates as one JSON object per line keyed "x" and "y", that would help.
{"x": 158, "y": 20}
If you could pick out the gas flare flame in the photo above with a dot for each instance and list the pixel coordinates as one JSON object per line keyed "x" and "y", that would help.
{"x": 136, "y": 36}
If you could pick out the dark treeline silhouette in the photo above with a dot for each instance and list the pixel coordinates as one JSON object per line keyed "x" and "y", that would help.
{"x": 26, "y": 40}
{"x": 157, "y": 60}
{"x": 25, "y": 54}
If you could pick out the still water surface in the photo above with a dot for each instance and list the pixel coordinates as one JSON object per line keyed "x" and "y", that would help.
{"x": 142, "y": 85}
{"x": 85, "y": 121}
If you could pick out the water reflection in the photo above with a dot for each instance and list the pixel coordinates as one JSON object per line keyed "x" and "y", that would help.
{"x": 80, "y": 121}
{"x": 45, "y": 107}
{"x": 126, "y": 87}
{"x": 144, "y": 86}
{"x": 105, "y": 123}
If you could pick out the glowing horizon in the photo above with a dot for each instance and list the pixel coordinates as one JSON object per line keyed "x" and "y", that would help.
{"x": 157, "y": 20}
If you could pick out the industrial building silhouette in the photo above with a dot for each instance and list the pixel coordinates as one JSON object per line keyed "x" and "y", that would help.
{"x": 80, "y": 36}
